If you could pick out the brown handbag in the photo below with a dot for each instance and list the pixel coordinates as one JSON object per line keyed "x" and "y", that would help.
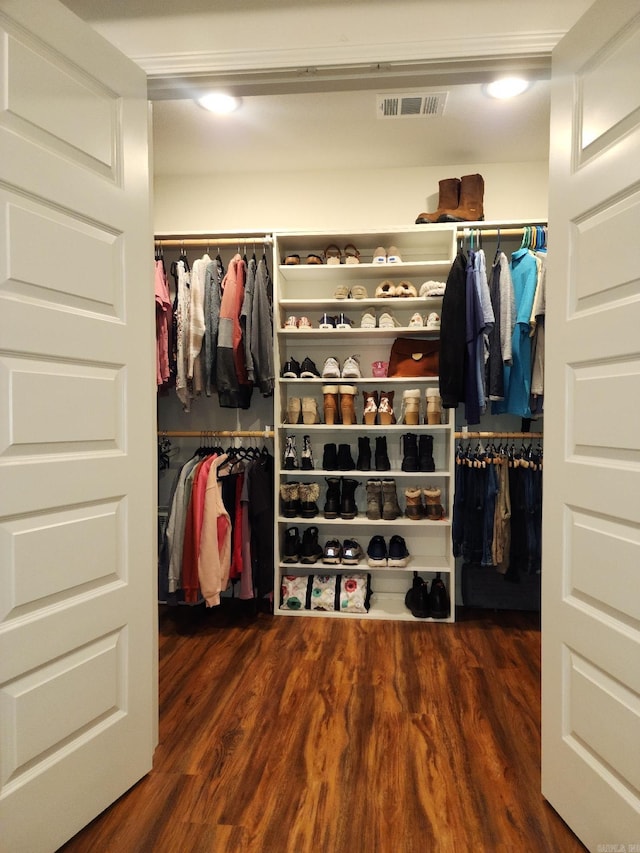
{"x": 414, "y": 357}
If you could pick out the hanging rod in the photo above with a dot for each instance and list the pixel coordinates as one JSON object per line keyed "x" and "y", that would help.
{"x": 192, "y": 242}
{"x": 213, "y": 433}
{"x": 498, "y": 435}
{"x": 494, "y": 232}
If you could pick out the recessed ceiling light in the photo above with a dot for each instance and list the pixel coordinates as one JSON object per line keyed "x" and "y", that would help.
{"x": 507, "y": 87}
{"x": 219, "y": 103}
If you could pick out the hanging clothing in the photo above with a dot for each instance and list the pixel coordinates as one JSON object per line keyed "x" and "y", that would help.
{"x": 453, "y": 335}
{"x": 164, "y": 323}
{"x": 214, "y": 556}
{"x": 259, "y": 331}
{"x": 182, "y": 278}
{"x": 234, "y": 390}
{"x": 212, "y": 301}
{"x": 503, "y": 304}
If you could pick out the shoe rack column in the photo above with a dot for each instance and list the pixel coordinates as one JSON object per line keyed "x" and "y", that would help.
{"x": 340, "y": 300}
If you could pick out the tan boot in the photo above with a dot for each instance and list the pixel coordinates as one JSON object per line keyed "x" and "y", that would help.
{"x": 434, "y": 406}
{"x": 433, "y": 507}
{"x": 471, "y": 203}
{"x": 294, "y": 408}
{"x": 310, "y": 411}
{"x": 449, "y": 194}
{"x": 414, "y": 508}
{"x": 386, "y": 417}
{"x": 411, "y": 406}
{"x": 370, "y": 407}
{"x": 330, "y": 404}
{"x": 347, "y": 404}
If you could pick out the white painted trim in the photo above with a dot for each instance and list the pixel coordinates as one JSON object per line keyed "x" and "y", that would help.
{"x": 460, "y": 49}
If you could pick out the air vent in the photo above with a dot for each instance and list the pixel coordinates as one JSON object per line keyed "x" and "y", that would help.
{"x": 411, "y": 105}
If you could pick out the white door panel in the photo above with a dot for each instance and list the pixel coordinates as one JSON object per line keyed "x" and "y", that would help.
{"x": 591, "y": 543}
{"x": 78, "y": 638}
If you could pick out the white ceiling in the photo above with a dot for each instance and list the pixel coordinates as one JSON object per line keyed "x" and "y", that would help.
{"x": 297, "y": 131}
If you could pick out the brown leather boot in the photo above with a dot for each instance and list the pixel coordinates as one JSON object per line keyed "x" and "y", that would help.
{"x": 470, "y": 206}
{"x": 347, "y": 404}
{"x": 414, "y": 508}
{"x": 447, "y": 200}
{"x": 370, "y": 407}
{"x": 433, "y": 508}
{"x": 331, "y": 408}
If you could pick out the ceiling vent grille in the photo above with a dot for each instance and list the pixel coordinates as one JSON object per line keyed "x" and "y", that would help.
{"x": 411, "y": 105}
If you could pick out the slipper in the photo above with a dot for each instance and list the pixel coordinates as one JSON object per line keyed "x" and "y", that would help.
{"x": 405, "y": 288}
{"x": 380, "y": 255}
{"x": 432, "y": 288}
{"x": 290, "y": 260}
{"x": 387, "y": 288}
{"x": 291, "y": 322}
{"x": 393, "y": 256}
{"x": 342, "y": 292}
{"x": 433, "y": 322}
{"x": 314, "y": 259}
{"x": 351, "y": 254}
{"x": 305, "y": 323}
{"x": 359, "y": 291}
{"x": 332, "y": 254}
{"x": 416, "y": 321}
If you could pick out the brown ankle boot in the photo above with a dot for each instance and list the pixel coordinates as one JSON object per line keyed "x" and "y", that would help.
{"x": 370, "y": 407}
{"x": 347, "y": 404}
{"x": 433, "y": 507}
{"x": 414, "y": 508}
{"x": 331, "y": 408}
{"x": 385, "y": 409}
{"x": 470, "y": 206}
{"x": 447, "y": 201}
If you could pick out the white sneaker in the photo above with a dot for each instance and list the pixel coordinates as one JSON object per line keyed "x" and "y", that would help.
{"x": 387, "y": 321}
{"x": 331, "y": 369}
{"x": 368, "y": 320}
{"x": 393, "y": 256}
{"x": 351, "y": 368}
{"x": 416, "y": 321}
{"x": 433, "y": 322}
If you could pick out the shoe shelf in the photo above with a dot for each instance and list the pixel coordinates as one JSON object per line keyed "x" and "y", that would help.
{"x": 308, "y": 290}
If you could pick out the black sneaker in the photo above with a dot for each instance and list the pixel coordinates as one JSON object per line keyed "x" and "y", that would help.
{"x": 327, "y": 321}
{"x": 291, "y": 550}
{"x": 417, "y": 598}
{"x": 377, "y": 552}
{"x": 290, "y": 369}
{"x": 311, "y": 550}
{"x": 308, "y": 370}
{"x": 351, "y": 552}
{"x": 332, "y": 551}
{"x": 439, "y": 599}
{"x": 398, "y": 553}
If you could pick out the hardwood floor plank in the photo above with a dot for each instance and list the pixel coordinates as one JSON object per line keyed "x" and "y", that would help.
{"x": 290, "y": 735}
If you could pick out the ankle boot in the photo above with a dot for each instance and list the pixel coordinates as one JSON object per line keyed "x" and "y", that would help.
{"x": 309, "y": 494}
{"x": 390, "y": 507}
{"x": 294, "y": 409}
{"x": 290, "y": 454}
{"x": 310, "y": 411}
{"x": 290, "y": 499}
{"x": 348, "y": 508}
{"x": 414, "y": 508}
{"x": 306, "y": 457}
{"x": 417, "y": 598}
{"x": 381, "y": 457}
{"x": 310, "y": 550}
{"x": 332, "y": 498}
{"x": 385, "y": 408}
{"x": 364, "y": 454}
{"x": 434, "y": 406}
{"x": 439, "y": 603}
{"x": 470, "y": 204}
{"x": 330, "y": 457}
{"x": 448, "y": 198}
{"x": 433, "y": 508}
{"x": 291, "y": 550}
{"x": 374, "y": 499}
{"x": 425, "y": 454}
{"x": 347, "y": 404}
{"x": 370, "y": 407}
{"x": 345, "y": 460}
{"x": 411, "y": 407}
{"x": 410, "y": 451}
{"x": 330, "y": 404}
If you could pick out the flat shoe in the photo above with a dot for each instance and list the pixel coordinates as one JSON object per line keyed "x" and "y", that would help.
{"x": 393, "y": 256}
{"x": 314, "y": 259}
{"x": 291, "y": 260}
{"x": 380, "y": 255}
{"x": 387, "y": 288}
{"x": 359, "y": 292}
{"x": 332, "y": 254}
{"x": 405, "y": 288}
{"x": 351, "y": 254}
{"x": 342, "y": 292}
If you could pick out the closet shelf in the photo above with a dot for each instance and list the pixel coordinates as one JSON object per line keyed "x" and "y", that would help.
{"x": 383, "y": 606}
{"x": 368, "y": 475}
{"x": 405, "y": 331}
{"x": 352, "y": 272}
{"x": 341, "y": 429}
{"x": 388, "y": 302}
{"x": 416, "y": 564}
{"x": 369, "y": 380}
{"x": 363, "y": 521}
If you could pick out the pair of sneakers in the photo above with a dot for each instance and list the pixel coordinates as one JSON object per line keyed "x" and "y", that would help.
{"x": 334, "y": 321}
{"x": 382, "y": 256}
{"x": 431, "y": 323}
{"x": 386, "y": 320}
{"x": 348, "y": 552}
{"x": 396, "y": 555}
{"x": 350, "y": 368}
{"x": 292, "y": 369}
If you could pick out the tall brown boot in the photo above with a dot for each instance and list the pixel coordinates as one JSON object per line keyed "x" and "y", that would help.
{"x": 331, "y": 404}
{"x": 347, "y": 405}
{"x": 470, "y": 206}
{"x": 449, "y": 193}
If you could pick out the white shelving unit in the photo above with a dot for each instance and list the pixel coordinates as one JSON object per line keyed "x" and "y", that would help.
{"x": 309, "y": 290}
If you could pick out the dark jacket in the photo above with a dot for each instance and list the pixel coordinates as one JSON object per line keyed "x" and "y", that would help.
{"x": 452, "y": 335}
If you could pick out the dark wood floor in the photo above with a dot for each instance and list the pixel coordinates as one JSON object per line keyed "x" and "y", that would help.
{"x": 290, "y": 735}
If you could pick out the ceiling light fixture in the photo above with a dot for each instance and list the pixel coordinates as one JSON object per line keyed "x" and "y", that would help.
{"x": 219, "y": 103}
{"x": 507, "y": 87}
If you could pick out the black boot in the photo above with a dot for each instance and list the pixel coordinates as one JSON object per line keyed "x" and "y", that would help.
{"x": 311, "y": 550}
{"x": 381, "y": 457}
{"x": 439, "y": 603}
{"x": 345, "y": 460}
{"x": 417, "y": 598}
{"x": 306, "y": 457}
{"x": 348, "y": 508}
{"x": 410, "y": 451}
{"x": 425, "y": 454}
{"x": 364, "y": 454}
{"x": 330, "y": 457}
{"x": 332, "y": 499}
